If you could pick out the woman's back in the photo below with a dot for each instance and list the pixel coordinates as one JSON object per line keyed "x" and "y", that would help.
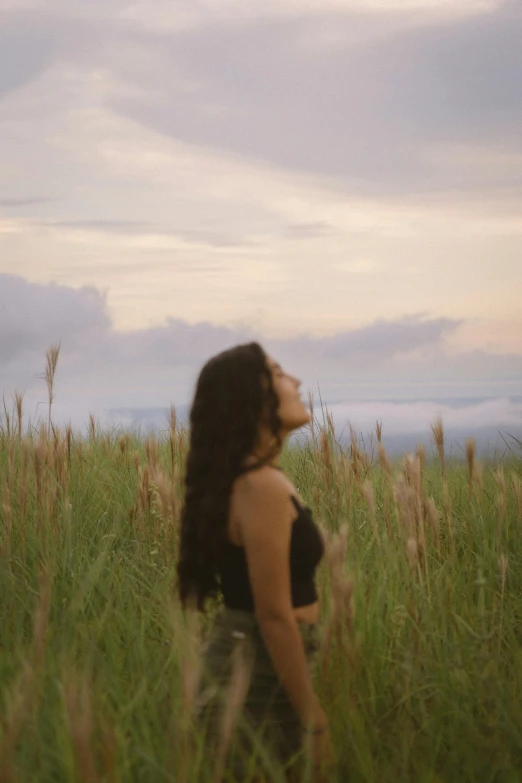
{"x": 305, "y": 550}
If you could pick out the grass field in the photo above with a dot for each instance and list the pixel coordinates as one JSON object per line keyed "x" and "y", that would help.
{"x": 421, "y": 590}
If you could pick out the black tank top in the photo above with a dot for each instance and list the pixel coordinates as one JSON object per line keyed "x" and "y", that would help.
{"x": 306, "y": 550}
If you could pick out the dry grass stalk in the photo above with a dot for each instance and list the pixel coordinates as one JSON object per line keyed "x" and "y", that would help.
{"x": 173, "y": 423}
{"x": 385, "y": 468}
{"x": 412, "y": 552}
{"x": 478, "y": 475}
{"x": 406, "y": 501}
{"x": 192, "y": 663}
{"x": 108, "y": 747}
{"x": 361, "y": 463}
{"x": 437, "y": 429}
{"x": 501, "y": 499}
{"x": 51, "y": 356}
{"x": 39, "y": 465}
{"x": 347, "y": 479}
{"x": 92, "y": 427}
{"x": 432, "y": 516}
{"x": 378, "y": 431}
{"x": 144, "y": 490}
{"x": 6, "y": 431}
{"x": 447, "y": 516}
{"x": 186, "y": 644}
{"x": 106, "y": 443}
{"x": 242, "y": 663}
{"x": 470, "y": 458}
{"x": 330, "y": 424}
{"x": 151, "y": 452}
{"x": 413, "y": 473}
{"x": 338, "y": 477}
{"x": 18, "y": 709}
{"x": 410, "y": 504}
{"x": 165, "y": 500}
{"x": 8, "y": 521}
{"x": 22, "y": 698}
{"x": 10, "y": 474}
{"x": 41, "y": 616}
{"x": 517, "y": 487}
{"x": 19, "y": 401}
{"x": 503, "y": 562}
{"x": 23, "y": 483}
{"x": 312, "y": 421}
{"x": 420, "y": 453}
{"x": 60, "y": 465}
{"x": 68, "y": 443}
{"x": 326, "y": 458}
{"x": 182, "y": 443}
{"x": 123, "y": 443}
{"x": 384, "y": 462}
{"x": 368, "y": 494}
{"x": 341, "y": 614}
{"x": 78, "y": 702}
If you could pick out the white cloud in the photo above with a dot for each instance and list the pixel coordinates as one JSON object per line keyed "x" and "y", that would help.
{"x": 160, "y": 14}
{"x": 317, "y": 189}
{"x": 409, "y": 418}
{"x": 101, "y": 369}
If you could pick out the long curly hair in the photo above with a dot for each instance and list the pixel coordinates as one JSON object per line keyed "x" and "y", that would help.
{"x": 234, "y": 395}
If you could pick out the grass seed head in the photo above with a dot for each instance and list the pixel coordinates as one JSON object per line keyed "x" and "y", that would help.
{"x": 384, "y": 461}
{"x": 420, "y": 453}
{"x": 51, "y": 356}
{"x": 470, "y": 458}
{"x": 412, "y": 552}
{"x": 19, "y": 401}
{"x": 437, "y": 429}
{"x": 80, "y": 722}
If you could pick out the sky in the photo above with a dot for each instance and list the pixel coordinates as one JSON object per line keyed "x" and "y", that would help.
{"x": 338, "y": 179}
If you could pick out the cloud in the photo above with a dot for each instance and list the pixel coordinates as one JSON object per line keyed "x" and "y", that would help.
{"x": 312, "y": 230}
{"x": 160, "y": 14}
{"x": 22, "y": 202}
{"x": 143, "y": 228}
{"x": 373, "y": 109}
{"x": 101, "y": 369}
{"x": 24, "y": 52}
{"x": 33, "y": 316}
{"x": 370, "y": 116}
{"x": 381, "y": 351}
{"x": 380, "y": 340}
{"x": 415, "y": 417}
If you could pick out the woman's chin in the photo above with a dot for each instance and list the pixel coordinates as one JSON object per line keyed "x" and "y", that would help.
{"x": 296, "y": 422}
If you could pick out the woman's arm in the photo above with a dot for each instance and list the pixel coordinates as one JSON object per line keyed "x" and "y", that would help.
{"x": 266, "y": 529}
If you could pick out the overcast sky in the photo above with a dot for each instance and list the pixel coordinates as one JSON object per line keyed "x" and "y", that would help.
{"x": 340, "y": 179}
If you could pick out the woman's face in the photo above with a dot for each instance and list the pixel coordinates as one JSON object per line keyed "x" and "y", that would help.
{"x": 292, "y": 410}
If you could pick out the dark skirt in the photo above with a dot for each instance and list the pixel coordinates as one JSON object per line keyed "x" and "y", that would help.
{"x": 240, "y": 688}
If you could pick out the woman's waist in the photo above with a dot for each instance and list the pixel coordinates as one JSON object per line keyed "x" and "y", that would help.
{"x": 307, "y": 613}
{"x": 245, "y": 620}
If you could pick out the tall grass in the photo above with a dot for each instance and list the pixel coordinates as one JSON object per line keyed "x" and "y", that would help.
{"x": 421, "y": 590}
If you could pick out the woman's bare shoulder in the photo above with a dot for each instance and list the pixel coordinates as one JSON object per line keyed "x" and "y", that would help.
{"x": 266, "y": 486}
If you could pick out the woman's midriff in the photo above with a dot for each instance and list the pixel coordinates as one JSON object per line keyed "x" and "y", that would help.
{"x": 307, "y": 614}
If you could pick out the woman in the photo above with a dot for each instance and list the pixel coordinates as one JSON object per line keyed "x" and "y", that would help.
{"x": 246, "y": 534}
